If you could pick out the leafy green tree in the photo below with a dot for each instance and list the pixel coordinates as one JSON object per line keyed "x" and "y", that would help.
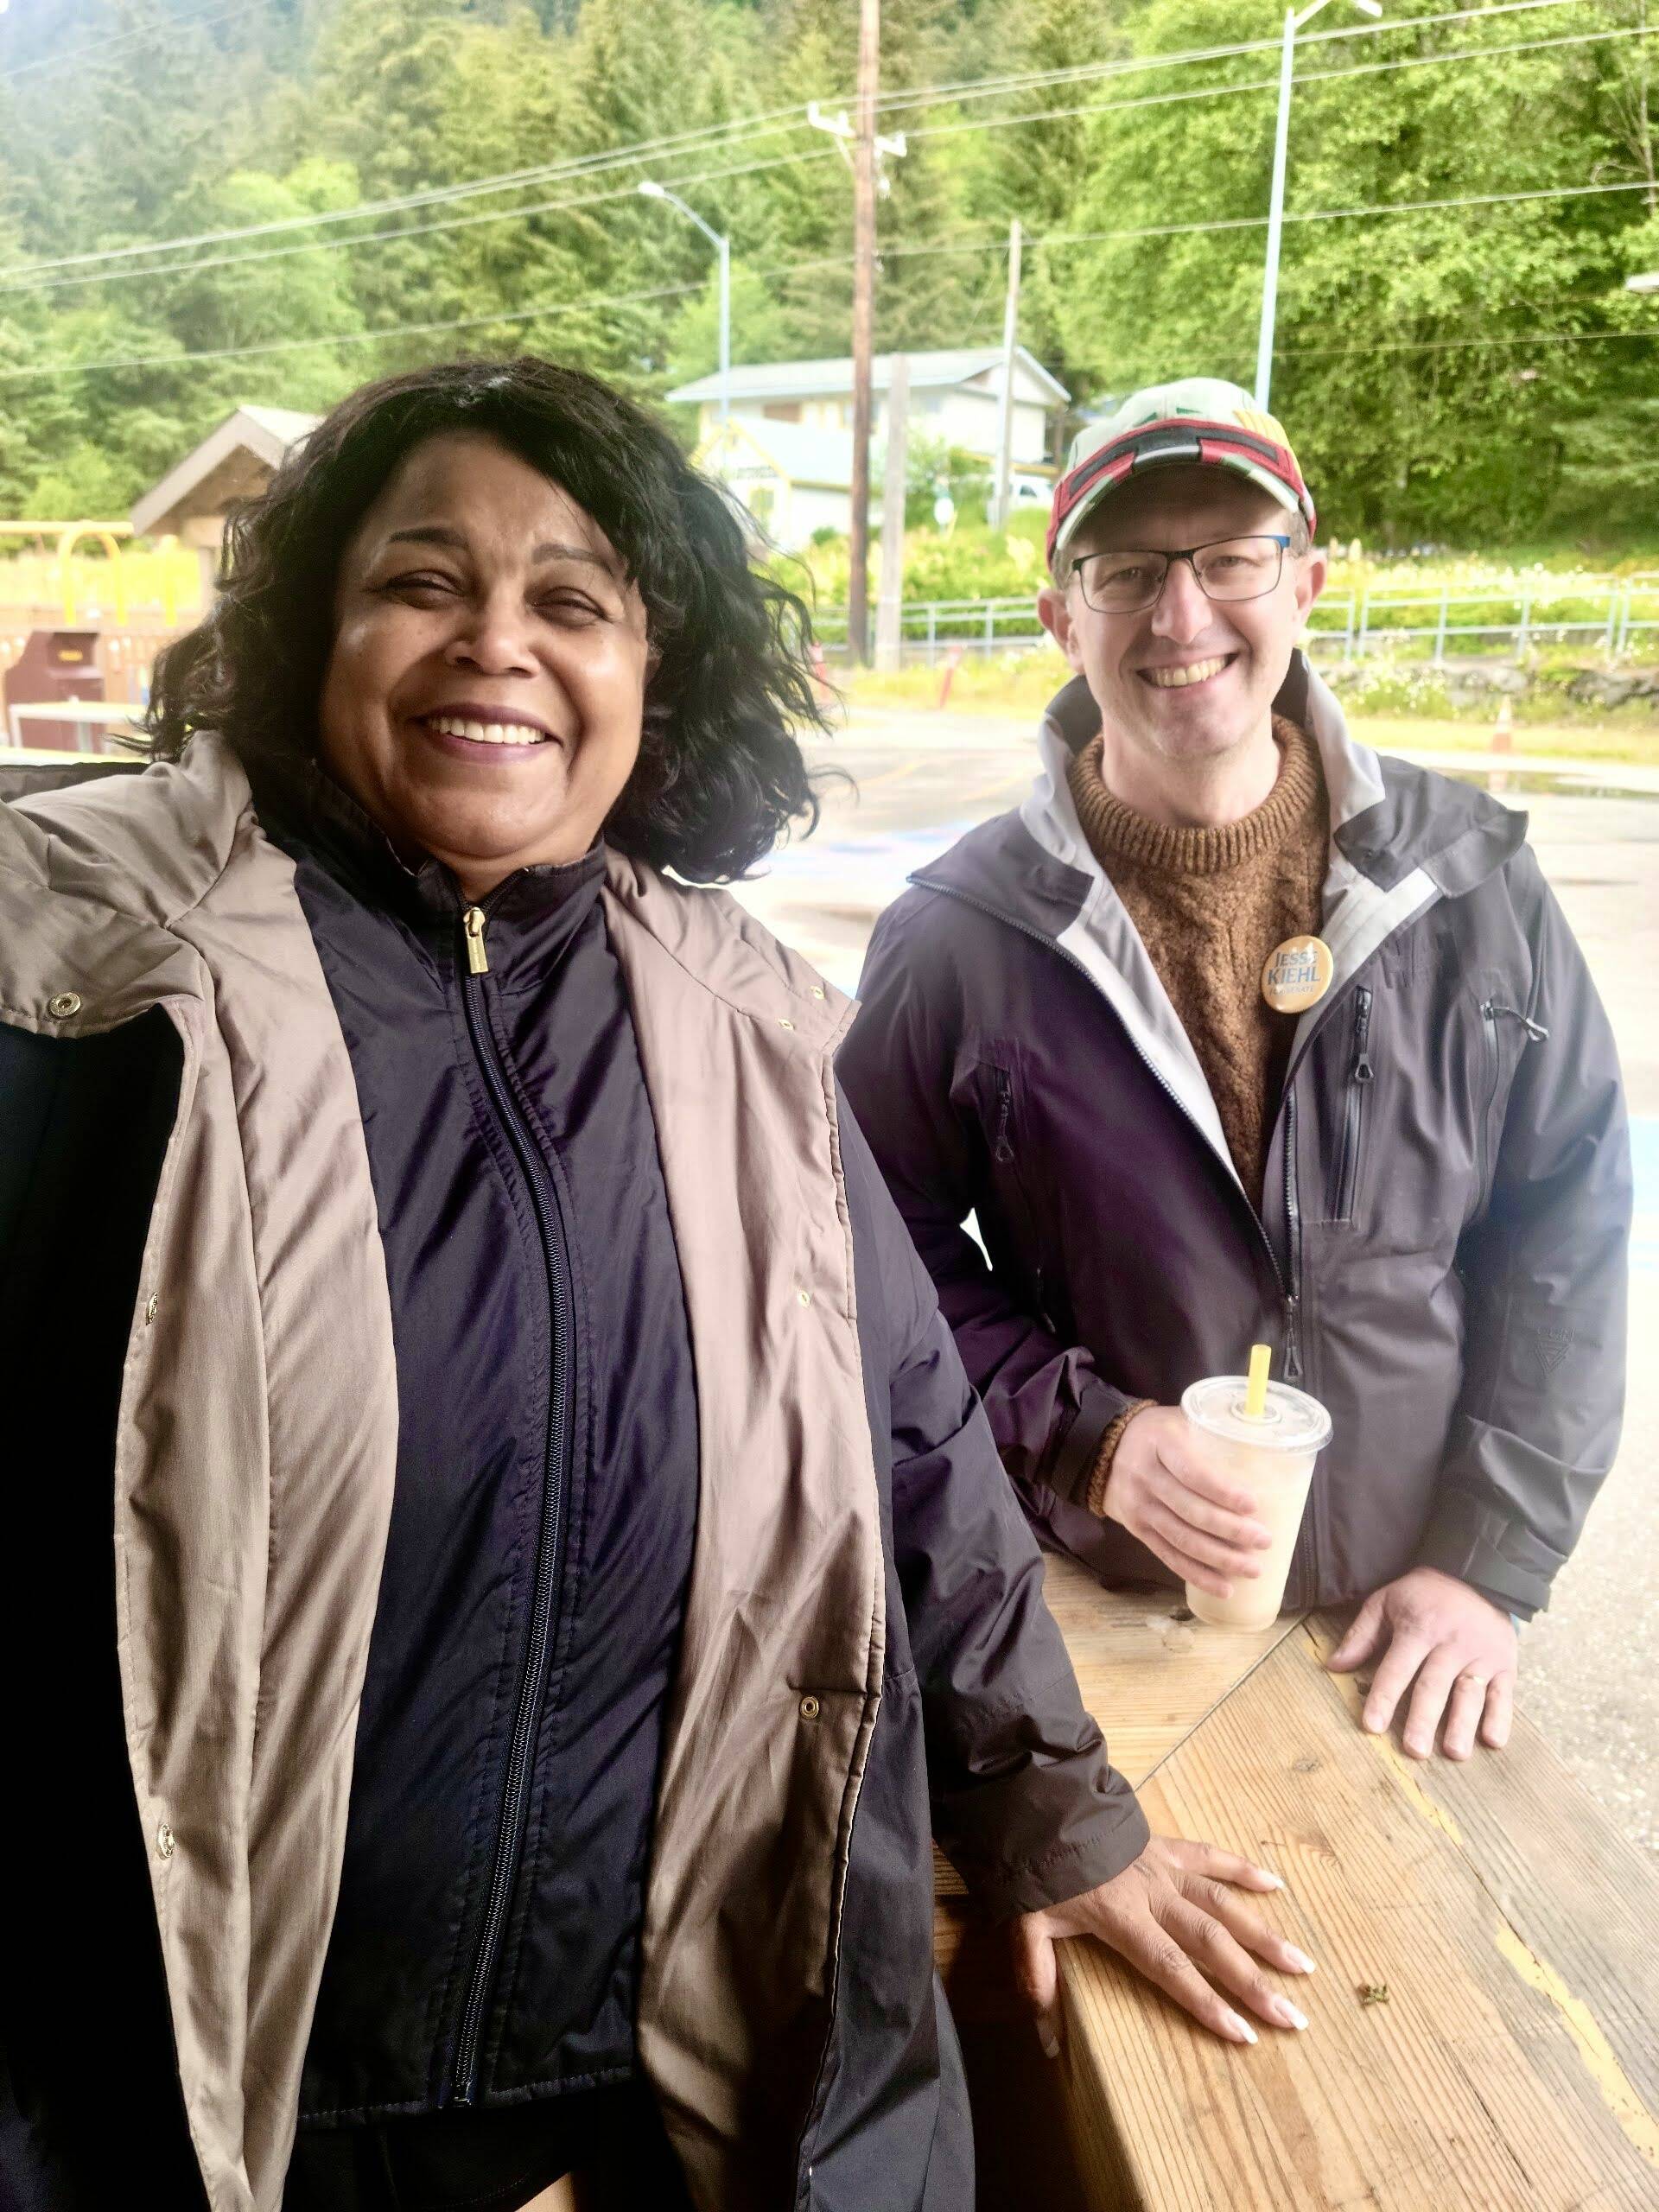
{"x": 1039, "y": 170}
{"x": 1422, "y": 400}
{"x": 1455, "y": 370}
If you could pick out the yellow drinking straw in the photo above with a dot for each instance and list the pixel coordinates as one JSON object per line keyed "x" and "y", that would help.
{"x": 1256, "y": 1390}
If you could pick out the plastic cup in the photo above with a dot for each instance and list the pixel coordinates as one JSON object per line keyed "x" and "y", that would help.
{"x": 1272, "y": 1459}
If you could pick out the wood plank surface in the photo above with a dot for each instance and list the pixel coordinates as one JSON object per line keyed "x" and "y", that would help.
{"x": 1513, "y": 2065}
{"x": 1510, "y": 2068}
{"x": 1148, "y": 1672}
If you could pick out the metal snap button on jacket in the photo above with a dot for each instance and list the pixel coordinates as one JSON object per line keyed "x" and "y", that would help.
{"x": 61, "y": 1006}
{"x": 810, "y": 1709}
{"x": 163, "y": 1841}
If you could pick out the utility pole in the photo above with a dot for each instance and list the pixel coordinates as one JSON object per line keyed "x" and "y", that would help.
{"x": 1010, "y": 343}
{"x": 870, "y": 64}
{"x": 861, "y": 149}
{"x": 890, "y": 609}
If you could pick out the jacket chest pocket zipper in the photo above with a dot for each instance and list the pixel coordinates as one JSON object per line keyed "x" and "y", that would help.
{"x": 1492, "y": 1011}
{"x": 1361, "y": 1075}
{"x": 1001, "y": 1145}
{"x": 1023, "y": 1223}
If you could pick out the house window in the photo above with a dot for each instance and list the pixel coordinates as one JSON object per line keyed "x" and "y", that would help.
{"x": 782, "y": 411}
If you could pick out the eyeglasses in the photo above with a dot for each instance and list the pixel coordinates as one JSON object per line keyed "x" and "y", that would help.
{"x": 1228, "y": 569}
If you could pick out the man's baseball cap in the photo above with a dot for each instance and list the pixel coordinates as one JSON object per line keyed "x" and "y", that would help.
{"x": 1198, "y": 419}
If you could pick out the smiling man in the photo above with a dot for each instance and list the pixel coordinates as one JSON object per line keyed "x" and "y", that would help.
{"x": 1236, "y": 1032}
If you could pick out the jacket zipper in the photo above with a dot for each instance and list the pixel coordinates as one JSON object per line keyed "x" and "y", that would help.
{"x": 1286, "y": 1296}
{"x": 1001, "y": 1150}
{"x": 1536, "y": 1033}
{"x": 550, "y": 1229}
{"x": 1293, "y": 1247}
{"x": 1491, "y": 1011}
{"x": 1353, "y": 1118}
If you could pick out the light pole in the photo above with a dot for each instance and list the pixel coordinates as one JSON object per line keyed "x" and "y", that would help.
{"x": 723, "y": 246}
{"x": 1293, "y": 22}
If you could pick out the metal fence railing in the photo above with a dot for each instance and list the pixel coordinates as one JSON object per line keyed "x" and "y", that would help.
{"x": 1614, "y": 615}
{"x": 931, "y": 627}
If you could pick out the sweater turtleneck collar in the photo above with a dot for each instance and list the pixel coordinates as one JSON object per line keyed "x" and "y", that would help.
{"x": 1116, "y": 831}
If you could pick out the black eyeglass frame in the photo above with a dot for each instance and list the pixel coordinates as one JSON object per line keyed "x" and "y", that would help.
{"x": 1189, "y": 554}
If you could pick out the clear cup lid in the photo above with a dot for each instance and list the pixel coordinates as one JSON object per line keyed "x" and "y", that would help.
{"x": 1292, "y": 1422}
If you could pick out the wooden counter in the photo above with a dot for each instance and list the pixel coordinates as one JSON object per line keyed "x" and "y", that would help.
{"x": 1513, "y": 2065}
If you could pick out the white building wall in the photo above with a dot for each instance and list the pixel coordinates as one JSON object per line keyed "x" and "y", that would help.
{"x": 811, "y": 508}
{"x": 975, "y": 420}
{"x": 789, "y": 513}
{"x": 960, "y": 417}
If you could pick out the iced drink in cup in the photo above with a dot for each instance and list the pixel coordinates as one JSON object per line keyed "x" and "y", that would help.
{"x": 1270, "y": 1454}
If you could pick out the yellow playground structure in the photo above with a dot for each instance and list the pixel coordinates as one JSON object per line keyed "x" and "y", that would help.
{"x": 51, "y": 579}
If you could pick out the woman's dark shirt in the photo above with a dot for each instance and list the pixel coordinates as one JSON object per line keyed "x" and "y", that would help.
{"x": 528, "y": 1244}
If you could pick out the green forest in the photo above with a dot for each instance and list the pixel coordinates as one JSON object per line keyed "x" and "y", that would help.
{"x": 221, "y": 201}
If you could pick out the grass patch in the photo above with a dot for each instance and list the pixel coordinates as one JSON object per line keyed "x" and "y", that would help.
{"x": 1613, "y": 739}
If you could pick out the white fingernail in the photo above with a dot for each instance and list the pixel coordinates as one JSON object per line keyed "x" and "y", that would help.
{"x": 1050, "y": 2045}
{"x": 1289, "y": 2013}
{"x": 1272, "y": 1881}
{"x": 1300, "y": 1959}
{"x": 1242, "y": 2029}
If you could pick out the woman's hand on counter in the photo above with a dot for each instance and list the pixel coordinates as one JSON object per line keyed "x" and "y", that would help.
{"x": 1176, "y": 1917}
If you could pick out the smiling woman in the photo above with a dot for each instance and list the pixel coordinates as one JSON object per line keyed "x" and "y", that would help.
{"x": 541, "y": 1496}
{"x": 507, "y": 548}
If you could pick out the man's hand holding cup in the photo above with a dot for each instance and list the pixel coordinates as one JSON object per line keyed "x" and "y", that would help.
{"x": 1163, "y": 1490}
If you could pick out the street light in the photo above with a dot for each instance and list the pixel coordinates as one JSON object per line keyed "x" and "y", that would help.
{"x": 723, "y": 248}
{"x": 1293, "y": 22}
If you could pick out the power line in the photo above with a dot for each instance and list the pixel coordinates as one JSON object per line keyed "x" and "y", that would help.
{"x": 1130, "y": 64}
{"x": 999, "y": 244}
{"x": 763, "y": 123}
{"x": 1339, "y": 214}
{"x": 1471, "y": 345}
{"x": 27, "y": 284}
{"x": 509, "y": 181}
{"x": 202, "y": 22}
{"x": 410, "y": 231}
{"x": 348, "y": 337}
{"x": 1106, "y": 108}
{"x": 1102, "y": 108}
{"x": 750, "y": 127}
{"x": 936, "y": 250}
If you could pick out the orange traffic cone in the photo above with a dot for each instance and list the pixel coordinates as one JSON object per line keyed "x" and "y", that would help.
{"x": 1503, "y": 734}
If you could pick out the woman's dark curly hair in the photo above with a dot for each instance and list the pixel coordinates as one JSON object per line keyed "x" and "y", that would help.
{"x": 719, "y": 775}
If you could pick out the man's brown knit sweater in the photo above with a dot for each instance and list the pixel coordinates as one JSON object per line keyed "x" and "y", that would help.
{"x": 1211, "y": 905}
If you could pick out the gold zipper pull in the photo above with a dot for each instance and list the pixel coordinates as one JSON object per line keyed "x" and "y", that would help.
{"x": 478, "y": 960}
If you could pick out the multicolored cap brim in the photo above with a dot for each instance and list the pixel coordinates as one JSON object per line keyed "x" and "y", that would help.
{"x": 1266, "y": 462}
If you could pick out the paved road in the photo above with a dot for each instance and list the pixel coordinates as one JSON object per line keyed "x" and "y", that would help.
{"x": 1591, "y": 1665}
